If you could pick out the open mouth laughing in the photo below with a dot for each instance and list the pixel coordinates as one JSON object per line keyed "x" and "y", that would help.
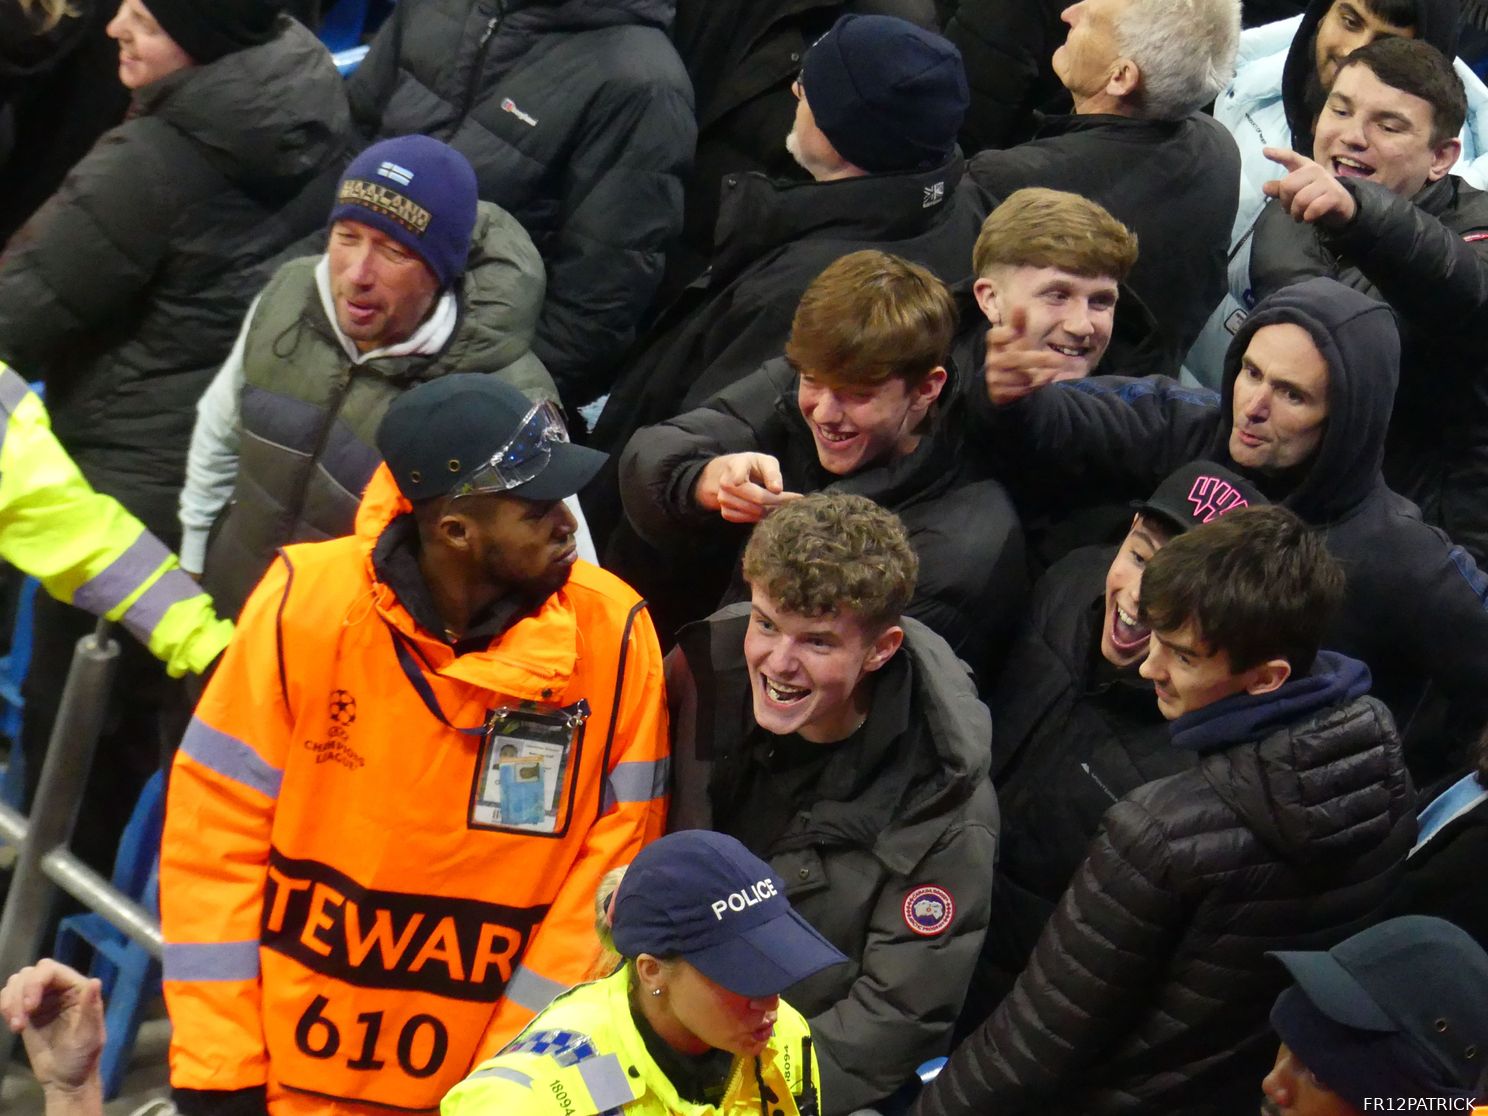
{"x": 1346, "y": 167}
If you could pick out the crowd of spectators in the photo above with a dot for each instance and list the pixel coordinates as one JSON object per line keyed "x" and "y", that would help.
{"x": 730, "y": 549}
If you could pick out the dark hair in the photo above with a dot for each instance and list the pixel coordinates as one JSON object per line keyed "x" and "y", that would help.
{"x": 1418, "y": 68}
{"x": 1397, "y": 13}
{"x": 1259, "y": 584}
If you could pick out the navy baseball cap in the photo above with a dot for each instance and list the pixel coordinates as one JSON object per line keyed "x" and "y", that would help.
{"x": 1197, "y": 493}
{"x": 1417, "y": 980}
{"x": 704, "y": 897}
{"x": 454, "y": 431}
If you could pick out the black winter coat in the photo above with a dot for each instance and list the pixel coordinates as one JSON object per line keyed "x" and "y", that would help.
{"x": 127, "y": 288}
{"x": 774, "y": 238}
{"x": 59, "y": 91}
{"x": 1175, "y": 183}
{"x": 1149, "y": 990}
{"x": 1415, "y": 607}
{"x": 972, "y": 577}
{"x": 1068, "y": 746}
{"x": 906, "y": 808}
{"x": 577, "y": 116}
{"x": 742, "y": 56}
{"x": 1444, "y": 877}
{"x": 1427, "y": 257}
{"x": 1007, "y": 48}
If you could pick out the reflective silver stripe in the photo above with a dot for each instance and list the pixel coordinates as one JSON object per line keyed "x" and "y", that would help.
{"x": 13, "y": 388}
{"x": 230, "y": 758}
{"x": 211, "y": 961}
{"x": 606, "y": 1081}
{"x": 637, "y": 781}
{"x": 111, "y": 586}
{"x": 533, "y": 992}
{"x": 145, "y": 614}
{"x": 506, "y": 1073}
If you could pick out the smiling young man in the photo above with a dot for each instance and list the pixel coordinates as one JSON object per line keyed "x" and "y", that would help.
{"x": 844, "y": 743}
{"x": 418, "y": 280}
{"x": 861, "y": 402}
{"x": 346, "y": 782}
{"x": 1379, "y": 210}
{"x": 1077, "y": 727}
{"x": 1148, "y": 990}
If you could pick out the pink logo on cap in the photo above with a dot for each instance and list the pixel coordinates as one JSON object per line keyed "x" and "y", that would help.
{"x": 1213, "y": 497}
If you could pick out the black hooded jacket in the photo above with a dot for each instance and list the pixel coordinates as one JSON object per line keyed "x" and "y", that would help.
{"x": 1149, "y": 989}
{"x": 1437, "y": 22}
{"x": 577, "y": 116}
{"x": 1416, "y": 606}
{"x": 1427, "y": 257}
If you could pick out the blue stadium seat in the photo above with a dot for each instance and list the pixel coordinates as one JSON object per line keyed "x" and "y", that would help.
{"x": 13, "y": 667}
{"x": 130, "y": 976}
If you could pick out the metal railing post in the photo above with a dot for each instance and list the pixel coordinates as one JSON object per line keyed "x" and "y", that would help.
{"x": 53, "y": 817}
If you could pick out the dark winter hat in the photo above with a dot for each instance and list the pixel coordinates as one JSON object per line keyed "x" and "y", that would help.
{"x": 418, "y": 191}
{"x": 209, "y": 29}
{"x": 704, "y": 897}
{"x": 1400, "y": 1009}
{"x": 1197, "y": 493}
{"x": 888, "y": 95}
{"x": 469, "y": 432}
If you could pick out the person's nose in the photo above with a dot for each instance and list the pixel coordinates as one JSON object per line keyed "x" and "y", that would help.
{"x": 1068, "y": 15}
{"x": 117, "y": 27}
{"x": 565, "y": 525}
{"x": 1258, "y": 406}
{"x": 1077, "y": 321}
{"x": 1152, "y": 667}
{"x": 1352, "y": 133}
{"x": 825, "y": 408}
{"x": 781, "y": 662}
{"x": 362, "y": 271}
{"x": 768, "y": 1006}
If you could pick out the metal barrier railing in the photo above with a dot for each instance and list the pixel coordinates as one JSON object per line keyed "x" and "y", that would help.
{"x": 44, "y": 864}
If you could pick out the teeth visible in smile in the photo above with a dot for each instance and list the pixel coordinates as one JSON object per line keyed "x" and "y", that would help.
{"x": 838, "y": 435}
{"x": 1068, "y": 350}
{"x": 778, "y": 691}
{"x": 1126, "y": 617}
{"x": 1344, "y": 161}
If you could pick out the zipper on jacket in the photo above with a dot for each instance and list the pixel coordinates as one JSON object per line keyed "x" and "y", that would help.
{"x": 480, "y": 58}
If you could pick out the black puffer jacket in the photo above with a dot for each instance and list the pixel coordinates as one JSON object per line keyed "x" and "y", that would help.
{"x": 1427, "y": 257}
{"x": 742, "y": 56}
{"x": 1074, "y": 735}
{"x": 1175, "y": 183}
{"x": 578, "y": 118}
{"x": 1149, "y": 989}
{"x": 972, "y": 578}
{"x": 909, "y": 809}
{"x": 126, "y": 289}
{"x": 1416, "y": 606}
{"x": 1008, "y": 49}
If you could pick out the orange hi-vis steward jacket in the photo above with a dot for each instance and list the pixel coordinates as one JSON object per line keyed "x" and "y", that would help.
{"x": 343, "y": 922}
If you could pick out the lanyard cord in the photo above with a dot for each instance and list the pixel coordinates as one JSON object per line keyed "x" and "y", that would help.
{"x": 415, "y": 675}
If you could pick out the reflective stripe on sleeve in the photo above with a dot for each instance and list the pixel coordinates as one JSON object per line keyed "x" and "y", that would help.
{"x": 13, "y": 388}
{"x": 230, "y": 758}
{"x": 145, "y": 614}
{"x": 111, "y": 586}
{"x": 531, "y": 991}
{"x": 506, "y": 1073}
{"x": 637, "y": 781}
{"x": 211, "y": 961}
{"x": 606, "y": 1081}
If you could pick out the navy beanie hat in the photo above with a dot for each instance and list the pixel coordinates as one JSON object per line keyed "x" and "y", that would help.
{"x": 209, "y": 29}
{"x": 887, "y": 94}
{"x": 420, "y": 192}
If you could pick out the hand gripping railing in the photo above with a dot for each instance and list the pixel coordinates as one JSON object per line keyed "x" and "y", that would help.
{"x": 44, "y": 863}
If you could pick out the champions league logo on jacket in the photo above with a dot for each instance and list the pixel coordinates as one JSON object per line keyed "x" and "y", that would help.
{"x": 928, "y": 910}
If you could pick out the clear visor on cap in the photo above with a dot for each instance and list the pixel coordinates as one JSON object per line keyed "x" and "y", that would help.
{"x": 523, "y": 457}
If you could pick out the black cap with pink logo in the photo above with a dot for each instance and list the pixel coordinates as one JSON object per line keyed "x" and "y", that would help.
{"x": 1197, "y": 493}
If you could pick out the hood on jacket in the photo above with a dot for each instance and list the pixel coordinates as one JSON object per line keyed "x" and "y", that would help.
{"x": 1328, "y": 786}
{"x": 269, "y": 117}
{"x": 1437, "y": 22}
{"x": 1359, "y": 341}
{"x": 501, "y": 297}
{"x": 958, "y": 724}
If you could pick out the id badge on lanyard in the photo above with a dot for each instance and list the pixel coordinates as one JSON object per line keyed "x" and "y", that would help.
{"x": 529, "y": 759}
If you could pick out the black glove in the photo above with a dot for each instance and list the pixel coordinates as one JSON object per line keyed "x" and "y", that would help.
{"x": 222, "y": 1102}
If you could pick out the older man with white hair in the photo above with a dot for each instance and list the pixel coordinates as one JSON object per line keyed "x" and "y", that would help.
{"x": 1140, "y": 73}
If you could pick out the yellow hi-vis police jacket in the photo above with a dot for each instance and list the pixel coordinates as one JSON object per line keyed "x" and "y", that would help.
{"x": 583, "y": 1056}
{"x": 86, "y": 549}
